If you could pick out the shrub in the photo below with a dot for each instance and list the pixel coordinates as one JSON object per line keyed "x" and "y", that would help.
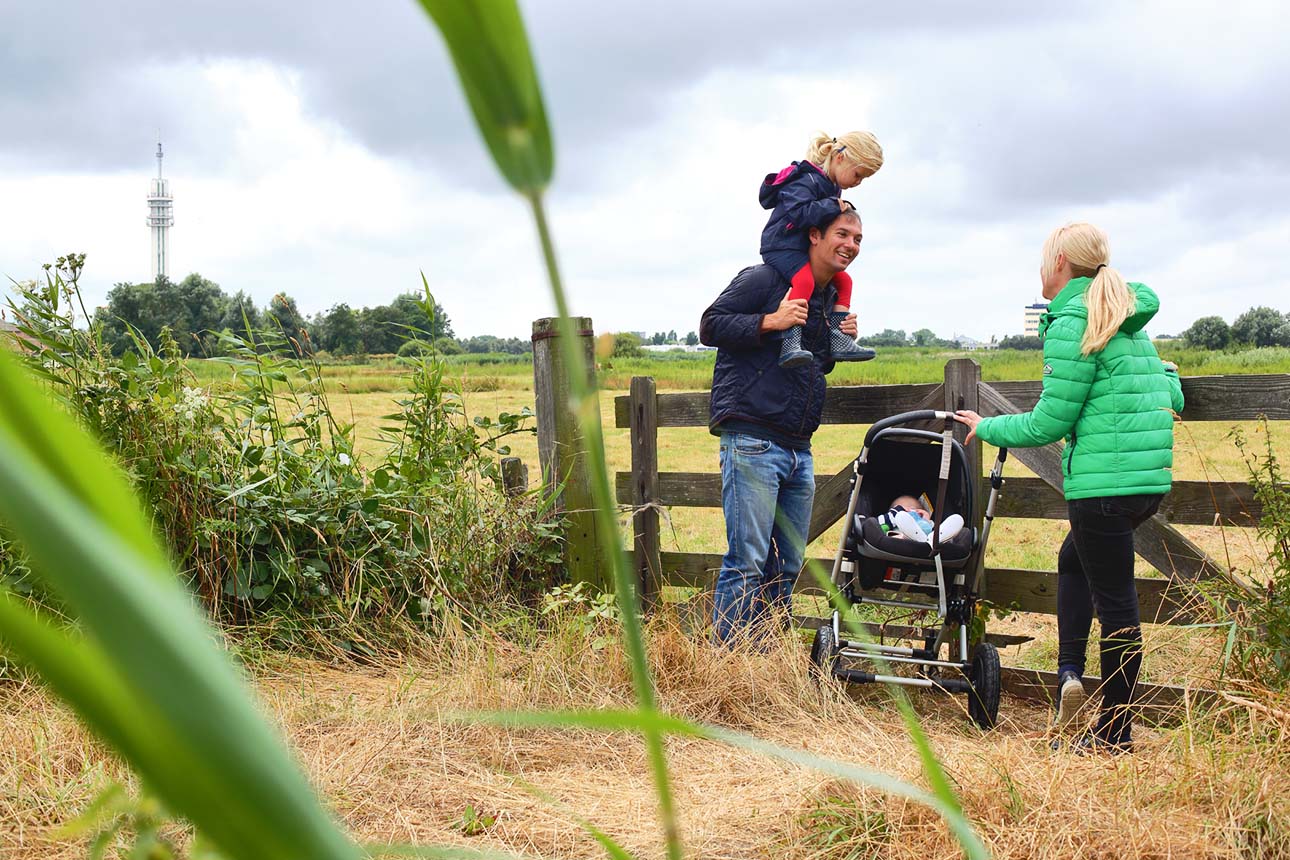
{"x": 1021, "y": 341}
{"x": 447, "y": 346}
{"x": 626, "y": 345}
{"x": 1208, "y": 333}
{"x": 415, "y": 349}
{"x": 258, "y": 492}
{"x": 1262, "y": 644}
{"x": 1259, "y": 327}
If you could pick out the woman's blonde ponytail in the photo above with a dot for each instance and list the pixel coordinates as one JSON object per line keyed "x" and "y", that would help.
{"x": 1108, "y": 299}
{"x": 1110, "y": 302}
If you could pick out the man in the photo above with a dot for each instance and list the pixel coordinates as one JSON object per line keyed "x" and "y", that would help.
{"x": 765, "y": 415}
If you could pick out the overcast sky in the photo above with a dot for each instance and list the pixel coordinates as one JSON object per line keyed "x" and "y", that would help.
{"x": 323, "y": 149}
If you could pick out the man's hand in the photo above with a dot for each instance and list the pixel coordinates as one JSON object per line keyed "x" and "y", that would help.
{"x": 849, "y": 326}
{"x": 791, "y": 312}
{"x": 971, "y": 419}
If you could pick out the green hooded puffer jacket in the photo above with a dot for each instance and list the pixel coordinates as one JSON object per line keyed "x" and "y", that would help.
{"x": 1114, "y": 407}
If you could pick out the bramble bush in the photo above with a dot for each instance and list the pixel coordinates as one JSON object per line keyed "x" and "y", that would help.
{"x": 1261, "y": 645}
{"x": 258, "y": 493}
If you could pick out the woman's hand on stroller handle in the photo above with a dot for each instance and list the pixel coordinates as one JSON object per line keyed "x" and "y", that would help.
{"x": 971, "y": 419}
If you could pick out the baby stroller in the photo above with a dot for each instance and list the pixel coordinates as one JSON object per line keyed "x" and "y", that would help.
{"x": 874, "y": 567}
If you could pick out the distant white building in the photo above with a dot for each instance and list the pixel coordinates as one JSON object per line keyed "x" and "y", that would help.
{"x": 1033, "y": 313}
{"x": 971, "y": 343}
{"x": 675, "y": 347}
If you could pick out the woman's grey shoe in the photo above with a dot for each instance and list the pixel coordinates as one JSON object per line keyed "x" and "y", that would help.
{"x": 1071, "y": 698}
{"x": 791, "y": 353}
{"x": 842, "y": 346}
{"x": 1091, "y": 743}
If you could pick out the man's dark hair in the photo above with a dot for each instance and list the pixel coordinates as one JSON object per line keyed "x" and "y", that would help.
{"x": 851, "y": 213}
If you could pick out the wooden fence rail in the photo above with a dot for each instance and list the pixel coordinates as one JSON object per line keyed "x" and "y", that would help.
{"x": 1194, "y": 503}
{"x": 1169, "y": 600}
{"x": 1190, "y": 502}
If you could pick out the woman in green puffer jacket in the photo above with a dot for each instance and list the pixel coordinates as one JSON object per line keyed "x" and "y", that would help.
{"x": 1108, "y": 394}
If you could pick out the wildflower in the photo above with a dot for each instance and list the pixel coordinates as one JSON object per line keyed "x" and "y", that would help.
{"x": 344, "y": 459}
{"x": 192, "y": 401}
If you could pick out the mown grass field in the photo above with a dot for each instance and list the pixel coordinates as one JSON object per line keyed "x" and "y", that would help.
{"x": 681, "y": 371}
{"x": 385, "y": 747}
{"x": 1203, "y": 451}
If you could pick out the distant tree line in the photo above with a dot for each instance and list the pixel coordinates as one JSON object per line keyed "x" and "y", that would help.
{"x": 1261, "y": 326}
{"x": 196, "y": 310}
{"x": 897, "y": 337}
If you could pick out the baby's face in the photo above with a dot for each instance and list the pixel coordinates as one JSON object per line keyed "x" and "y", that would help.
{"x": 910, "y": 504}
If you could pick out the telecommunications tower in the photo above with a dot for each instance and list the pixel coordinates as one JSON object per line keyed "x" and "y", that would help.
{"x": 161, "y": 217}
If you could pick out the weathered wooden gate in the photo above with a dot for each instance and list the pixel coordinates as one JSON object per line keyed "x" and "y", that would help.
{"x": 1171, "y": 600}
{"x": 647, "y": 490}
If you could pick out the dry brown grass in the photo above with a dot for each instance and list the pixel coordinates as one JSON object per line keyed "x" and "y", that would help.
{"x": 380, "y": 744}
{"x": 385, "y": 747}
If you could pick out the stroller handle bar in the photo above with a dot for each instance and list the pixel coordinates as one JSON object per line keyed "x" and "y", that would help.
{"x": 906, "y": 418}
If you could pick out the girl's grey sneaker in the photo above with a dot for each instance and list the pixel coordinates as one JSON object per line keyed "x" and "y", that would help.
{"x": 791, "y": 353}
{"x": 1071, "y": 698}
{"x": 842, "y": 346}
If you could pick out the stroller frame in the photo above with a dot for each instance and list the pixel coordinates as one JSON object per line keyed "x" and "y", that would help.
{"x": 953, "y": 598}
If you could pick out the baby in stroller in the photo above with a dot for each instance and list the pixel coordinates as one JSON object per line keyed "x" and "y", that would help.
{"x": 899, "y": 470}
{"x": 911, "y": 518}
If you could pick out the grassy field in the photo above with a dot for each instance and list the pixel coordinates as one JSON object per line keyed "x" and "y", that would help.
{"x": 383, "y": 746}
{"x": 1203, "y": 451}
{"x": 681, "y": 371}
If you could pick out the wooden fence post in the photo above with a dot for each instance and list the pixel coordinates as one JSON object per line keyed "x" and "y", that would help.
{"x": 562, "y": 448}
{"x": 962, "y": 376}
{"x": 645, "y": 518}
{"x": 515, "y": 476}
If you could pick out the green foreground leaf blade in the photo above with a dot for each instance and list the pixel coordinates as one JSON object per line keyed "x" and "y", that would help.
{"x": 490, "y": 51}
{"x": 152, "y": 682}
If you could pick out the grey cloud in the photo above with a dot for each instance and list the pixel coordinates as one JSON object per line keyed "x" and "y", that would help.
{"x": 381, "y": 71}
{"x": 1052, "y": 120}
{"x": 1032, "y": 101}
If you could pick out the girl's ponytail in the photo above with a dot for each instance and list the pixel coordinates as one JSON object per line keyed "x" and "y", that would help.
{"x": 859, "y": 147}
{"x": 820, "y": 152}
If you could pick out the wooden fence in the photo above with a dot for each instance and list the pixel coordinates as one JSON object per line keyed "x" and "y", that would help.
{"x": 1171, "y": 600}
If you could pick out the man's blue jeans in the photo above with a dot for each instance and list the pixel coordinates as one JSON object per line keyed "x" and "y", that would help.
{"x": 766, "y": 494}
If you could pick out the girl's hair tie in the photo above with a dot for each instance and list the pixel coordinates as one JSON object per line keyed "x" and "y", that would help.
{"x": 1100, "y": 267}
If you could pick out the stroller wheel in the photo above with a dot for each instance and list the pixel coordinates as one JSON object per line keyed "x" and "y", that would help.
{"x": 983, "y": 700}
{"x": 824, "y": 652}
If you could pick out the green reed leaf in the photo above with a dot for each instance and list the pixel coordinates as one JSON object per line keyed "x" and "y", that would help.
{"x": 490, "y": 50}
{"x": 488, "y": 46}
{"x": 147, "y": 677}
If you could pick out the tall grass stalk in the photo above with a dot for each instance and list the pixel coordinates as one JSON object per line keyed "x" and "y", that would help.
{"x": 491, "y": 53}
